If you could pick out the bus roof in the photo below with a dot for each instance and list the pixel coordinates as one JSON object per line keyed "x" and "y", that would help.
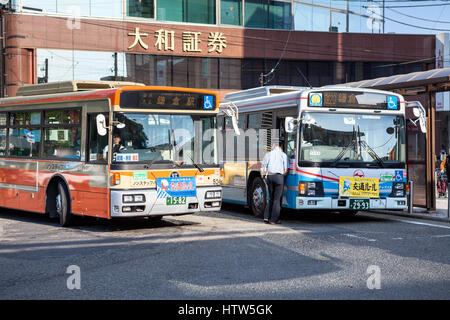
{"x": 71, "y": 86}
{"x": 276, "y": 97}
{"x": 81, "y": 90}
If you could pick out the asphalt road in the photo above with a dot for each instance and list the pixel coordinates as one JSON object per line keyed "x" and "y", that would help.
{"x": 225, "y": 255}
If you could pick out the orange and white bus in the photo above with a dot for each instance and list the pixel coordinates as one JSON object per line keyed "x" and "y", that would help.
{"x": 55, "y": 140}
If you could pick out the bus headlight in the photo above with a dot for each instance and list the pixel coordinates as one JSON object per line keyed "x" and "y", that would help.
{"x": 130, "y": 198}
{"x": 213, "y": 194}
{"x": 399, "y": 186}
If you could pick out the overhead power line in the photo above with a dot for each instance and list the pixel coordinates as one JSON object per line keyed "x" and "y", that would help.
{"x": 418, "y": 18}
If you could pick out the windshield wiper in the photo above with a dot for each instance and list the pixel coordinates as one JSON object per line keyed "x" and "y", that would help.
{"x": 372, "y": 153}
{"x": 148, "y": 166}
{"x": 192, "y": 160}
{"x": 357, "y": 143}
{"x": 352, "y": 143}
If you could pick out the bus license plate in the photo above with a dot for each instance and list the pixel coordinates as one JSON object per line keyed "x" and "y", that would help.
{"x": 359, "y": 204}
{"x": 173, "y": 201}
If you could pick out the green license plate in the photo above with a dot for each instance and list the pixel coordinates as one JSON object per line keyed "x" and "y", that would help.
{"x": 359, "y": 204}
{"x": 175, "y": 201}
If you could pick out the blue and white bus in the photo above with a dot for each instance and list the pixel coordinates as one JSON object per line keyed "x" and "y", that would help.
{"x": 346, "y": 147}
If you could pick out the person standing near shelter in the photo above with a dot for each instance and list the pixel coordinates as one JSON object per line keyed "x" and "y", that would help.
{"x": 275, "y": 166}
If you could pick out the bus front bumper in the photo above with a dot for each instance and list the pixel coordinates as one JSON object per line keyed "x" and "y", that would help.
{"x": 344, "y": 204}
{"x": 153, "y": 206}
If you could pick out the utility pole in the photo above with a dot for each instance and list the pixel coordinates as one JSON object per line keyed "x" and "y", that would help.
{"x": 347, "y": 18}
{"x": 115, "y": 66}
{"x": 5, "y": 6}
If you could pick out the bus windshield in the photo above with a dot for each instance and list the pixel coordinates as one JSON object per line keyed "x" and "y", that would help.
{"x": 352, "y": 138}
{"x": 177, "y": 138}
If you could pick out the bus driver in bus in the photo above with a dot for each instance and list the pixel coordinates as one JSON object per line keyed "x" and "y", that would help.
{"x": 117, "y": 146}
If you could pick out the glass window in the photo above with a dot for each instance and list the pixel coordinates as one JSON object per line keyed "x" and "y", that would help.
{"x": 102, "y": 8}
{"x": 163, "y": 137}
{"x": 141, "y": 8}
{"x": 280, "y": 15}
{"x": 378, "y": 139}
{"x": 24, "y": 142}
{"x": 25, "y": 118}
{"x": 73, "y": 7}
{"x": 203, "y": 73}
{"x": 62, "y": 117}
{"x": 180, "y": 71}
{"x": 209, "y": 150}
{"x": 230, "y": 73}
{"x": 163, "y": 71}
{"x": 62, "y": 142}
{"x": 88, "y": 65}
{"x": 97, "y": 143}
{"x": 98, "y": 8}
{"x": 44, "y": 5}
{"x": 3, "y": 119}
{"x": 231, "y": 12}
{"x": 194, "y": 11}
{"x": 256, "y": 12}
{"x": 3, "y": 141}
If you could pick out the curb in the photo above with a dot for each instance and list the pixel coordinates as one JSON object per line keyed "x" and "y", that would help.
{"x": 415, "y": 216}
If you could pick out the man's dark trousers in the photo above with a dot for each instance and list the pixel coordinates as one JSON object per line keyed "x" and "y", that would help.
{"x": 275, "y": 183}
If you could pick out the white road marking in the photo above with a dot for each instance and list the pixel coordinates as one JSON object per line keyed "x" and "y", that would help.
{"x": 424, "y": 224}
{"x": 358, "y": 237}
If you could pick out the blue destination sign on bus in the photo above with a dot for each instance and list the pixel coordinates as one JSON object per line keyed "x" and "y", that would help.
{"x": 353, "y": 99}
{"x": 167, "y": 100}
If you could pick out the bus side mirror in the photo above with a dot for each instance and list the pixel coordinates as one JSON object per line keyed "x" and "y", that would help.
{"x": 420, "y": 113}
{"x": 235, "y": 125}
{"x": 232, "y": 112}
{"x": 290, "y": 124}
{"x": 101, "y": 124}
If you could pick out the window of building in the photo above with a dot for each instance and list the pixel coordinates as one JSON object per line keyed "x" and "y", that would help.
{"x": 194, "y": 11}
{"x": 231, "y": 12}
{"x": 95, "y": 8}
{"x": 141, "y": 8}
{"x": 203, "y": 73}
{"x": 230, "y": 73}
{"x": 163, "y": 71}
{"x": 268, "y": 14}
{"x": 180, "y": 71}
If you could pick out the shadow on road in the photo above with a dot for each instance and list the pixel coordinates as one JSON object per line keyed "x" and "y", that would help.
{"x": 96, "y": 224}
{"x": 234, "y": 211}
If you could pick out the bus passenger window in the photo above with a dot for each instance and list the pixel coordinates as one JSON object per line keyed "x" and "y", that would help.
{"x": 97, "y": 143}
{"x": 2, "y": 142}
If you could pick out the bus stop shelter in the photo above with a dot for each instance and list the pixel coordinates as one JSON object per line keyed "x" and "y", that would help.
{"x": 418, "y": 86}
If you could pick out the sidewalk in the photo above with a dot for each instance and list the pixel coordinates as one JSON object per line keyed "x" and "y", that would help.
{"x": 441, "y": 213}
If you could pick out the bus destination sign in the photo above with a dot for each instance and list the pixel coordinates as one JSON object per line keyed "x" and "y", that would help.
{"x": 353, "y": 99}
{"x": 167, "y": 100}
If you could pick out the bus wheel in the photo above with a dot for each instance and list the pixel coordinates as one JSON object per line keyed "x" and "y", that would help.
{"x": 258, "y": 197}
{"x": 62, "y": 205}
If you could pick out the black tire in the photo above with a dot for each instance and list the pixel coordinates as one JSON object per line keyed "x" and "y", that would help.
{"x": 257, "y": 197}
{"x": 62, "y": 203}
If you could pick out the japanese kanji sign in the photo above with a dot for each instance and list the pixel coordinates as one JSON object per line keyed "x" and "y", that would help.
{"x": 359, "y": 187}
{"x": 187, "y": 41}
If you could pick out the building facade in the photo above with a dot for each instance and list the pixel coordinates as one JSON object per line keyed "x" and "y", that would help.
{"x": 216, "y": 44}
